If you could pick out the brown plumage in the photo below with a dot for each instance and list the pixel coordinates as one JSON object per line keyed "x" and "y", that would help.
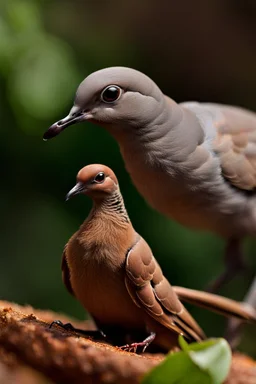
{"x": 111, "y": 270}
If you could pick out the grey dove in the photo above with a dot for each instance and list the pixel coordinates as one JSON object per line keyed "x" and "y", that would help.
{"x": 111, "y": 270}
{"x": 194, "y": 162}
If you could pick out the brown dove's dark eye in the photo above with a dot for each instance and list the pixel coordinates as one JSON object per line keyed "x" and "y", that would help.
{"x": 111, "y": 94}
{"x": 100, "y": 177}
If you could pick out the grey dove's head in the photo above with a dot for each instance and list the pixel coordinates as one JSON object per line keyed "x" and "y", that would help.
{"x": 96, "y": 181}
{"x": 115, "y": 96}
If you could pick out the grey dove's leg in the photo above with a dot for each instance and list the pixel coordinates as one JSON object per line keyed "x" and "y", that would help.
{"x": 234, "y": 329}
{"x": 234, "y": 264}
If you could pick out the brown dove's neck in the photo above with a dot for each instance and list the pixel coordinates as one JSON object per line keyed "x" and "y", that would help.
{"x": 113, "y": 205}
{"x": 108, "y": 230}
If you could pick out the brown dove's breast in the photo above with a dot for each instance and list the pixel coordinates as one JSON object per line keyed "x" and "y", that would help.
{"x": 98, "y": 283}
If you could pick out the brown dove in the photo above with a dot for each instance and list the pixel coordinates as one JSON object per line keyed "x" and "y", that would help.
{"x": 111, "y": 270}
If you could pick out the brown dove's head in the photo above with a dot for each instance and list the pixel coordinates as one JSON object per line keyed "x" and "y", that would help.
{"x": 113, "y": 97}
{"x": 95, "y": 180}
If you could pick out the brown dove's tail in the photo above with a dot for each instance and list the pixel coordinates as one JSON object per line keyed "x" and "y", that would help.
{"x": 230, "y": 308}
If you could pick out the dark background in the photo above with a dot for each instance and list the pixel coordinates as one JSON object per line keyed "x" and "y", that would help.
{"x": 194, "y": 50}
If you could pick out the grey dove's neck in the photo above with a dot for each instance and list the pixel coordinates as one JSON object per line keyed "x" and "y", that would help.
{"x": 143, "y": 124}
{"x": 166, "y": 126}
{"x": 112, "y": 206}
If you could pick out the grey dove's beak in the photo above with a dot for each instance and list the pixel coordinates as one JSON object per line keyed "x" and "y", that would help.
{"x": 75, "y": 116}
{"x": 76, "y": 190}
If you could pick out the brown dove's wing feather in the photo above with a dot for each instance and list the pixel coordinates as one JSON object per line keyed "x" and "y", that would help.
{"x": 215, "y": 303}
{"x": 235, "y": 145}
{"x": 66, "y": 272}
{"x": 150, "y": 290}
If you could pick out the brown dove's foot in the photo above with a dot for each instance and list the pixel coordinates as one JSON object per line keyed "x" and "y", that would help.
{"x": 234, "y": 265}
{"x": 95, "y": 334}
{"x": 145, "y": 343}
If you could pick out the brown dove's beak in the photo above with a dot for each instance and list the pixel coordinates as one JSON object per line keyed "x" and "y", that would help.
{"x": 76, "y": 190}
{"x": 75, "y": 116}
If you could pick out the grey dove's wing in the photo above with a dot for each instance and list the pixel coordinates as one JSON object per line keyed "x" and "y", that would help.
{"x": 234, "y": 142}
{"x": 151, "y": 291}
{"x": 236, "y": 145}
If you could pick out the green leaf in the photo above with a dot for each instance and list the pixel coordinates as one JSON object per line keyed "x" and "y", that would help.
{"x": 183, "y": 344}
{"x": 207, "y": 362}
{"x": 177, "y": 368}
{"x": 212, "y": 356}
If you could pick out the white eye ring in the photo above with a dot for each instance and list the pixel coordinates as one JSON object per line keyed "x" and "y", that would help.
{"x": 107, "y": 98}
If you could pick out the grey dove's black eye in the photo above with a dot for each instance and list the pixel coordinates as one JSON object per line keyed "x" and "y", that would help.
{"x": 110, "y": 94}
{"x": 99, "y": 178}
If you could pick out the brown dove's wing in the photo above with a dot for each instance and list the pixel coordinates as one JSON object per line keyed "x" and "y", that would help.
{"x": 215, "y": 303}
{"x": 150, "y": 290}
{"x": 235, "y": 145}
{"x": 66, "y": 272}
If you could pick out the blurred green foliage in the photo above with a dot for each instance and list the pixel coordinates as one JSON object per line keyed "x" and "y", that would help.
{"x": 193, "y": 51}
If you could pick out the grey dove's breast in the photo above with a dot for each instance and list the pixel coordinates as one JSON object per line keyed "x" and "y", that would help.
{"x": 195, "y": 195}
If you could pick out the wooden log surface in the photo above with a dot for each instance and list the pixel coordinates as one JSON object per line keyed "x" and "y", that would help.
{"x": 33, "y": 353}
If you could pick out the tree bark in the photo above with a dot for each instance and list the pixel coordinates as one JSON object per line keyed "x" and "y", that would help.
{"x": 32, "y": 353}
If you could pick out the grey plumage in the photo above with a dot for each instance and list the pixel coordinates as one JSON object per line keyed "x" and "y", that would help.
{"x": 179, "y": 150}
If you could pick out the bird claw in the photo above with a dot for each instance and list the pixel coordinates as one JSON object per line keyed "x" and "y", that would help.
{"x": 133, "y": 346}
{"x": 95, "y": 334}
{"x": 67, "y": 326}
{"x": 130, "y": 347}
